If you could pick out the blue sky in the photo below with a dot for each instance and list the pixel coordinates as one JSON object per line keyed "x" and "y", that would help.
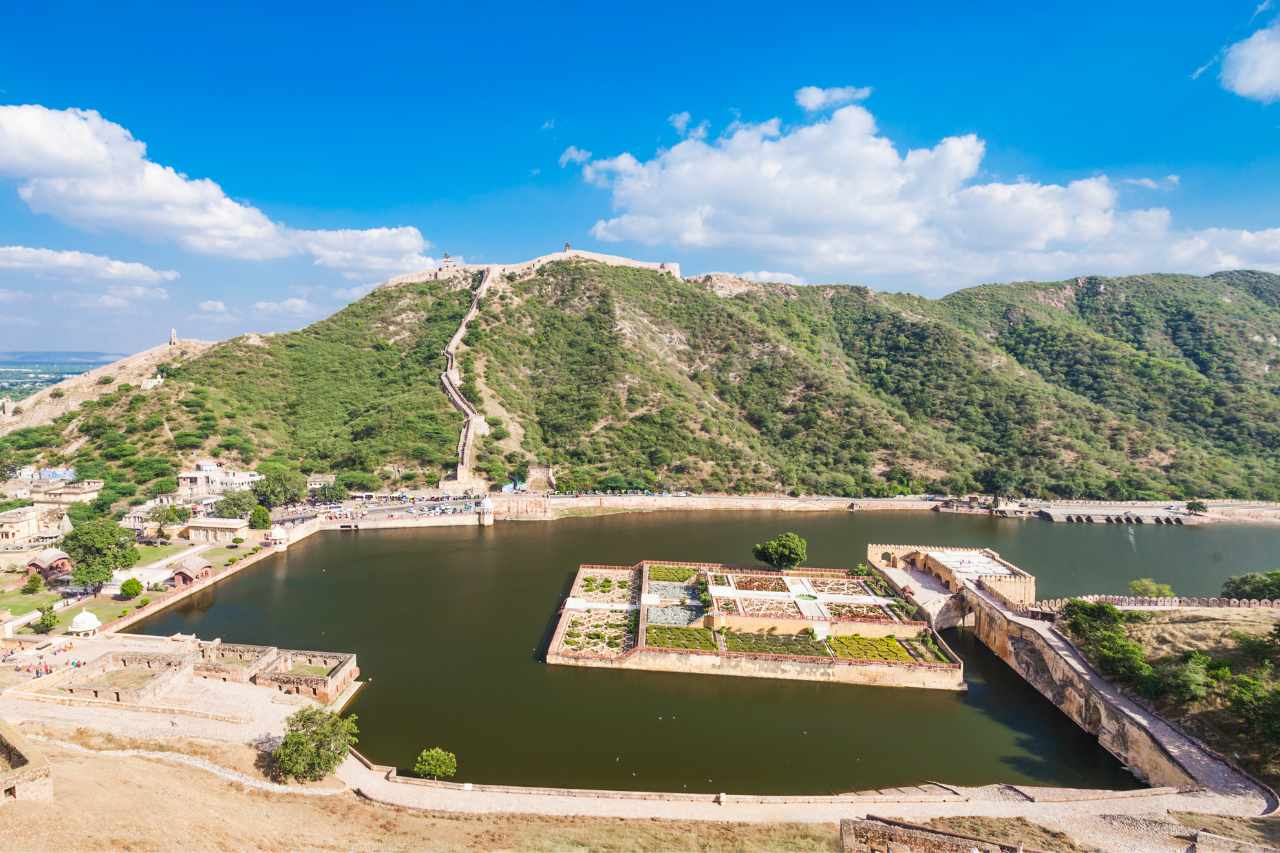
{"x": 293, "y": 158}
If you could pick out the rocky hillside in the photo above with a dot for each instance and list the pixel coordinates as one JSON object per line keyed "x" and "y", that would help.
{"x": 1157, "y": 386}
{"x": 1151, "y": 386}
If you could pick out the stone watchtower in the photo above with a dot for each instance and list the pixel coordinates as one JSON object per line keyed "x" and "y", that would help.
{"x": 173, "y": 337}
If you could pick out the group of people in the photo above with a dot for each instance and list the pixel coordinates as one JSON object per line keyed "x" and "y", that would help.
{"x": 42, "y": 667}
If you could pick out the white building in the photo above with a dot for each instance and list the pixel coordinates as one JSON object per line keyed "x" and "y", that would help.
{"x": 212, "y": 478}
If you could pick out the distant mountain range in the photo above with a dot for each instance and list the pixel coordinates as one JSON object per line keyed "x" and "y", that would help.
{"x": 1142, "y": 387}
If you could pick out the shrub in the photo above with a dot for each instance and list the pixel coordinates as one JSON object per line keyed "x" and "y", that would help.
{"x": 315, "y": 743}
{"x": 1253, "y": 585}
{"x": 132, "y": 588}
{"x": 33, "y": 585}
{"x": 106, "y": 379}
{"x": 1148, "y": 588}
{"x": 47, "y": 622}
{"x": 259, "y": 518}
{"x": 143, "y": 602}
{"x": 435, "y": 763}
{"x": 237, "y": 541}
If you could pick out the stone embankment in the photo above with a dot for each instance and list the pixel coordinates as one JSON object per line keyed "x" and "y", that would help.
{"x": 532, "y": 507}
{"x": 1152, "y": 747}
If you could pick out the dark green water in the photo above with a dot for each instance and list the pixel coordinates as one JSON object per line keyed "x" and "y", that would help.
{"x": 450, "y": 624}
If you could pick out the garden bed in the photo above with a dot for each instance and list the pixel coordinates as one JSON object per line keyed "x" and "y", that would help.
{"x": 854, "y": 647}
{"x": 676, "y": 574}
{"x": 600, "y": 632}
{"x": 672, "y": 591}
{"x": 667, "y": 637}
{"x": 839, "y": 586}
{"x": 760, "y": 583}
{"x": 728, "y": 606}
{"x": 801, "y": 645}
{"x": 777, "y": 608}
{"x": 857, "y": 611}
{"x": 609, "y": 589}
{"x": 679, "y": 615}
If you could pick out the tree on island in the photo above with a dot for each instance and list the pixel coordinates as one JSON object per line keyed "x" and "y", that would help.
{"x": 259, "y": 518}
{"x": 1148, "y": 588}
{"x": 315, "y": 743}
{"x": 435, "y": 763}
{"x": 1198, "y": 507}
{"x": 98, "y": 548}
{"x": 131, "y": 588}
{"x": 784, "y": 551}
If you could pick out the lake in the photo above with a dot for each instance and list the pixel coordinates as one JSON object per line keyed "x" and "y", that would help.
{"x": 450, "y": 625}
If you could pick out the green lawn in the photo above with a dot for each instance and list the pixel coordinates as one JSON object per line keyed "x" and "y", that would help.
{"x": 17, "y": 603}
{"x": 669, "y": 637}
{"x": 104, "y": 607}
{"x": 153, "y": 553}
{"x": 854, "y": 647}
{"x": 219, "y": 556}
{"x": 309, "y": 669}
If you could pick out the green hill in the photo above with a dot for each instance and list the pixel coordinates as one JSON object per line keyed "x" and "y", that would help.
{"x": 1160, "y": 386}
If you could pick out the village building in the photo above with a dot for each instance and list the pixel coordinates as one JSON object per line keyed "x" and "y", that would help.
{"x": 277, "y": 537}
{"x": 319, "y": 481}
{"x": 18, "y": 526}
{"x": 51, "y": 564}
{"x": 32, "y": 473}
{"x": 190, "y": 570}
{"x": 82, "y": 491}
{"x": 213, "y": 478}
{"x": 216, "y": 529}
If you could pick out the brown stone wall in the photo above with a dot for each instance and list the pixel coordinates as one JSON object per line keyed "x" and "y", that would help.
{"x": 1047, "y": 671}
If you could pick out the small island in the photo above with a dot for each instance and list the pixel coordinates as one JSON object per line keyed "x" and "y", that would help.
{"x": 850, "y": 626}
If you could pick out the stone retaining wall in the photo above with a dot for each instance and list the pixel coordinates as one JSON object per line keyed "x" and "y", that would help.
{"x": 24, "y": 771}
{"x": 1041, "y": 666}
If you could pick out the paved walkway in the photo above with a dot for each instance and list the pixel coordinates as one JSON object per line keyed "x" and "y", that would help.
{"x": 922, "y": 802}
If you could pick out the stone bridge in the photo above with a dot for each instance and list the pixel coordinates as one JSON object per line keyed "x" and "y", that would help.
{"x": 977, "y": 589}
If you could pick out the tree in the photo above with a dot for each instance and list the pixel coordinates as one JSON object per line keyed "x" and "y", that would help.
{"x": 131, "y": 588}
{"x": 997, "y": 481}
{"x": 1148, "y": 588}
{"x": 435, "y": 763}
{"x": 315, "y": 743}
{"x": 33, "y": 585}
{"x": 279, "y": 487}
{"x": 784, "y": 551}
{"x": 259, "y": 519}
{"x": 1198, "y": 507}
{"x": 1253, "y": 585}
{"x": 98, "y": 548}
{"x": 166, "y": 515}
{"x": 331, "y": 493}
{"x": 47, "y": 622}
{"x": 235, "y": 505}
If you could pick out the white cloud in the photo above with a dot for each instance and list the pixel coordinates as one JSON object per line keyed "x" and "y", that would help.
{"x": 213, "y": 306}
{"x": 812, "y": 98}
{"x": 1259, "y": 9}
{"x": 120, "y": 296}
{"x": 77, "y": 265}
{"x": 767, "y": 276}
{"x": 1251, "y": 68}
{"x": 1167, "y": 182}
{"x": 680, "y": 121}
{"x": 835, "y": 198}
{"x": 351, "y": 294}
{"x": 574, "y": 154}
{"x": 14, "y": 295}
{"x": 81, "y": 168}
{"x": 549, "y": 124}
{"x": 14, "y": 320}
{"x": 293, "y": 306}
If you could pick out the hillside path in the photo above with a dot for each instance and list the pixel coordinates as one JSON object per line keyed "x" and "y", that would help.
{"x": 474, "y": 423}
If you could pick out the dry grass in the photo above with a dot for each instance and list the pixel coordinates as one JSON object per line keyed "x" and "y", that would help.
{"x": 190, "y": 810}
{"x": 1255, "y": 830}
{"x": 1010, "y": 830}
{"x": 1206, "y": 629}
